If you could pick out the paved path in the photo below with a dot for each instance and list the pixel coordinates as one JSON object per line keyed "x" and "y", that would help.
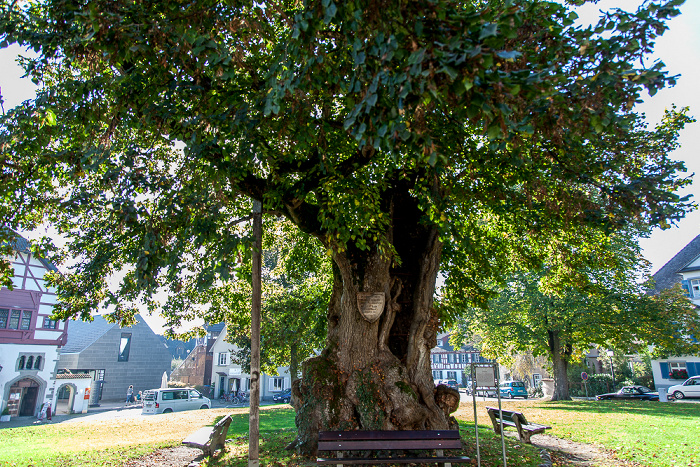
{"x": 105, "y": 411}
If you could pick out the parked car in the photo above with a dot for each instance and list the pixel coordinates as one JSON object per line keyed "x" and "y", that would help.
{"x": 168, "y": 400}
{"x": 451, "y": 383}
{"x": 512, "y": 389}
{"x": 284, "y": 396}
{"x": 689, "y": 388}
{"x": 630, "y": 392}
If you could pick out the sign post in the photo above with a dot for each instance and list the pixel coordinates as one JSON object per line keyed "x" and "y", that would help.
{"x": 485, "y": 377}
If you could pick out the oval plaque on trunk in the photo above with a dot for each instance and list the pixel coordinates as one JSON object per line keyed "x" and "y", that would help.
{"x": 371, "y": 305}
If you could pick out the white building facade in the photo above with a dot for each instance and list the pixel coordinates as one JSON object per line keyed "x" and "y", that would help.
{"x": 683, "y": 268}
{"x": 29, "y": 338}
{"x": 228, "y": 377}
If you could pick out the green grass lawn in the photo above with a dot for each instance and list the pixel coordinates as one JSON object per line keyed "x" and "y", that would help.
{"x": 647, "y": 433}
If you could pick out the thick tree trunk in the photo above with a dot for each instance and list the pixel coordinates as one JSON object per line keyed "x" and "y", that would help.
{"x": 376, "y": 375}
{"x": 294, "y": 363}
{"x": 560, "y": 363}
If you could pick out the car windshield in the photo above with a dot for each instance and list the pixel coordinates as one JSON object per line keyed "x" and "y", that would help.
{"x": 149, "y": 396}
{"x": 518, "y": 384}
{"x": 643, "y": 390}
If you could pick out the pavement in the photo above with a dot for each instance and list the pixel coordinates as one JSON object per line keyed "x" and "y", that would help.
{"x": 106, "y": 410}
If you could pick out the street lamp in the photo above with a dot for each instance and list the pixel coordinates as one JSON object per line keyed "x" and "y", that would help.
{"x": 612, "y": 368}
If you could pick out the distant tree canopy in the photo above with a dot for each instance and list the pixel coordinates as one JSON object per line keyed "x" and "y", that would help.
{"x": 402, "y": 137}
{"x": 601, "y": 303}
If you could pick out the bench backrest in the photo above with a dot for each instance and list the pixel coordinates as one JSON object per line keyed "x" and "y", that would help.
{"x": 218, "y": 434}
{"x": 388, "y": 440}
{"x": 508, "y": 415}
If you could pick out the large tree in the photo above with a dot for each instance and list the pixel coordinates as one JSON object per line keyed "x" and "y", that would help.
{"x": 597, "y": 300}
{"x": 388, "y": 131}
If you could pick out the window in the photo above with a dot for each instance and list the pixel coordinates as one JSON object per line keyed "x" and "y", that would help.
{"x": 463, "y": 358}
{"x": 695, "y": 288}
{"x": 14, "y": 319}
{"x": 30, "y": 362}
{"x": 124, "y": 346}
{"x": 277, "y": 384}
{"x": 437, "y": 374}
{"x": 49, "y": 323}
{"x": 223, "y": 358}
{"x": 451, "y": 375}
{"x": 536, "y": 378}
{"x": 26, "y": 320}
{"x": 677, "y": 370}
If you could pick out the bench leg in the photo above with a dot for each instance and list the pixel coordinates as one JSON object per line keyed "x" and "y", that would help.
{"x": 439, "y": 453}
{"x": 339, "y": 456}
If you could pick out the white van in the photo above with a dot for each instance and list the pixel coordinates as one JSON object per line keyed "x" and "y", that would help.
{"x": 173, "y": 400}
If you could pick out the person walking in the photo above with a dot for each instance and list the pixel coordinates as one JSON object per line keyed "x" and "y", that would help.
{"x": 130, "y": 395}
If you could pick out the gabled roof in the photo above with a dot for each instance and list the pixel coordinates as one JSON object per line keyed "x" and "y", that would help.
{"x": 668, "y": 275}
{"x": 22, "y": 245}
{"x": 82, "y": 334}
{"x": 218, "y": 327}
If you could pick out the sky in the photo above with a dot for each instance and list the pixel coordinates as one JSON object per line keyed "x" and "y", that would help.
{"x": 678, "y": 48}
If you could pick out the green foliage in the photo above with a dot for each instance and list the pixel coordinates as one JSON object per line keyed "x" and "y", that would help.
{"x": 175, "y": 363}
{"x": 155, "y": 124}
{"x": 583, "y": 295}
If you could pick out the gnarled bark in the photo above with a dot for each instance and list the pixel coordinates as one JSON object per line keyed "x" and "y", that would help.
{"x": 377, "y": 375}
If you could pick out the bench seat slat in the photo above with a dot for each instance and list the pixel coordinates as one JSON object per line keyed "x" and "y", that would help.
{"x": 392, "y": 460}
{"x": 388, "y": 434}
{"x": 199, "y": 437}
{"x": 385, "y": 445}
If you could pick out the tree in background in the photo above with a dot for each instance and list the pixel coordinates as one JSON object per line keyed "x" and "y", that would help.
{"x": 403, "y": 137}
{"x": 600, "y": 303}
{"x": 296, "y": 285}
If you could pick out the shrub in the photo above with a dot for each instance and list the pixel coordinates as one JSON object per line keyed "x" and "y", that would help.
{"x": 678, "y": 374}
{"x": 536, "y": 391}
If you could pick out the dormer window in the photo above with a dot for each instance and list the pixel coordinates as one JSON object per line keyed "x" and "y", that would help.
{"x": 695, "y": 288}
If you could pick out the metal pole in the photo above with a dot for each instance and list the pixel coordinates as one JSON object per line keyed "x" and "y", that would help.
{"x": 476, "y": 426}
{"x": 612, "y": 370}
{"x": 500, "y": 410}
{"x": 254, "y": 416}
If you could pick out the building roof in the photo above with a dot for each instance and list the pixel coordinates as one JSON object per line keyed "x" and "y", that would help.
{"x": 668, "y": 276}
{"x": 82, "y": 334}
{"x": 214, "y": 328}
{"x": 22, "y": 245}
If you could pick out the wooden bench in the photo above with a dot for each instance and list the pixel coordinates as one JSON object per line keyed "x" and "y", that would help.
{"x": 516, "y": 420}
{"x": 383, "y": 441}
{"x": 209, "y": 438}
